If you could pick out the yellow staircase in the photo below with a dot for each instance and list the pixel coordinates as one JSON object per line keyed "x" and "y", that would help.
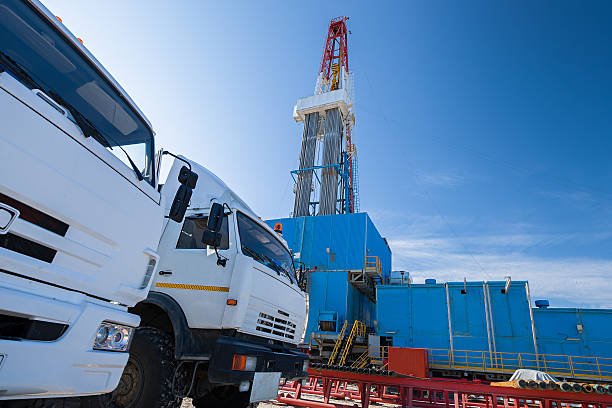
{"x": 337, "y": 345}
{"x": 358, "y": 329}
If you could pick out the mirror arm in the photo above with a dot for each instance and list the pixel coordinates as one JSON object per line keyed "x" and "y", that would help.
{"x": 221, "y": 260}
{"x": 228, "y": 208}
{"x": 176, "y": 157}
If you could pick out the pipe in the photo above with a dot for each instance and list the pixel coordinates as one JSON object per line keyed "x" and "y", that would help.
{"x": 304, "y": 403}
{"x": 599, "y": 389}
{"x": 533, "y": 328}
{"x": 565, "y": 386}
{"x": 450, "y": 326}
{"x": 492, "y": 323}
{"x": 484, "y": 293}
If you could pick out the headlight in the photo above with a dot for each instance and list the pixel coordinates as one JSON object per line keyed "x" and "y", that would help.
{"x": 113, "y": 337}
{"x": 148, "y": 273}
{"x": 305, "y": 366}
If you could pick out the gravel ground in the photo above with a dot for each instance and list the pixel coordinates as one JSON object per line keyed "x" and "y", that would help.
{"x": 267, "y": 404}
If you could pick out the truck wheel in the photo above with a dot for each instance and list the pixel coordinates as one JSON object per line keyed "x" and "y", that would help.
{"x": 147, "y": 378}
{"x": 223, "y": 397}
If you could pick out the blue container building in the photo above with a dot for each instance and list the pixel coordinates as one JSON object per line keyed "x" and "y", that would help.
{"x": 489, "y": 329}
{"x": 336, "y": 248}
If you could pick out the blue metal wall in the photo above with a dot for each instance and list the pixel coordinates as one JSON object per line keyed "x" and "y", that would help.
{"x": 559, "y": 333}
{"x": 329, "y": 245}
{"x": 417, "y": 315}
{"x": 335, "y": 242}
{"x": 329, "y": 291}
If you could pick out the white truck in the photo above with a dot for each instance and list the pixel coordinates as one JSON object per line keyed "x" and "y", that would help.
{"x": 225, "y": 313}
{"x": 80, "y": 212}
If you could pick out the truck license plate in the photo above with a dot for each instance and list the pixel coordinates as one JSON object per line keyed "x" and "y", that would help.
{"x": 265, "y": 386}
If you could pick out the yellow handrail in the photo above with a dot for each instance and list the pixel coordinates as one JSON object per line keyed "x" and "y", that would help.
{"x": 358, "y": 329}
{"x": 373, "y": 263}
{"x": 337, "y": 345}
{"x": 556, "y": 364}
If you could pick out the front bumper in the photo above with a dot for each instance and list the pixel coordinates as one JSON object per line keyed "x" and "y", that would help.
{"x": 67, "y": 366}
{"x": 270, "y": 358}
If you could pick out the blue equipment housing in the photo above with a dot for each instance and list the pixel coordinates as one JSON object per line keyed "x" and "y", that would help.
{"x": 491, "y": 327}
{"x": 331, "y": 246}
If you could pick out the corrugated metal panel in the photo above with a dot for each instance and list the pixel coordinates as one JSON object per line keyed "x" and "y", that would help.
{"x": 334, "y": 242}
{"x": 558, "y": 331}
{"x": 418, "y": 316}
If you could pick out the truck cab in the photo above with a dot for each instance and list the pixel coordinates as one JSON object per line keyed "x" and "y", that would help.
{"x": 233, "y": 311}
{"x": 80, "y": 212}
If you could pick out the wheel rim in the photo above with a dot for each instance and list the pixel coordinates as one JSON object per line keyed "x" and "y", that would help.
{"x": 130, "y": 385}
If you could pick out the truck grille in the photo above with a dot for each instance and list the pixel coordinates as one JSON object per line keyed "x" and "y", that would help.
{"x": 36, "y": 217}
{"x": 21, "y": 328}
{"x": 279, "y": 326}
{"x": 25, "y": 246}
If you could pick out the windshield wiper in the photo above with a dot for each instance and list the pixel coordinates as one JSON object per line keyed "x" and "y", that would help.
{"x": 278, "y": 267}
{"x": 253, "y": 254}
{"x": 86, "y": 127}
{"x": 89, "y": 130}
{"x": 15, "y": 69}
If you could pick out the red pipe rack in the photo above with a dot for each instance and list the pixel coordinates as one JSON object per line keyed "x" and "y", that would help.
{"x": 426, "y": 393}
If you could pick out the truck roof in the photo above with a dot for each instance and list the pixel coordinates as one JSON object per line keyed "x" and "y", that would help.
{"x": 209, "y": 189}
{"x": 52, "y": 20}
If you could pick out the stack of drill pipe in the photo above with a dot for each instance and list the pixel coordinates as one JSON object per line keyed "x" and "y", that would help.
{"x": 522, "y": 383}
{"x": 547, "y": 385}
{"x": 599, "y": 389}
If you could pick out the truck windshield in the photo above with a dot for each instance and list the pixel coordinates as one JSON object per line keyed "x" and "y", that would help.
{"x": 264, "y": 247}
{"x": 38, "y": 55}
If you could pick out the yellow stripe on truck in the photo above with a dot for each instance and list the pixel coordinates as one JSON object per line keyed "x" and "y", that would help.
{"x": 192, "y": 287}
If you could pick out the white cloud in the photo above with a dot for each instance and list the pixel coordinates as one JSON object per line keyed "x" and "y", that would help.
{"x": 565, "y": 281}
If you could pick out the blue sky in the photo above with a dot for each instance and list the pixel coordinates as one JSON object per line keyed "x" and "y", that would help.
{"x": 483, "y": 128}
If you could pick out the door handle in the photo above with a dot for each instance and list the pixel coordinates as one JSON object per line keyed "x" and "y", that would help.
{"x": 162, "y": 273}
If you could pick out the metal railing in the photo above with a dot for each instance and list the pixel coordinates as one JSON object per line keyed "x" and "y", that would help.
{"x": 373, "y": 264}
{"x": 358, "y": 329}
{"x": 398, "y": 280}
{"x": 555, "y": 364}
{"x": 337, "y": 345}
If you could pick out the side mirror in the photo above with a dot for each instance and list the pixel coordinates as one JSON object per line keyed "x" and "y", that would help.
{"x": 188, "y": 180}
{"x": 212, "y": 235}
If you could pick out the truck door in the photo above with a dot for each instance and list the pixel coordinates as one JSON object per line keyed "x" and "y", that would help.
{"x": 188, "y": 270}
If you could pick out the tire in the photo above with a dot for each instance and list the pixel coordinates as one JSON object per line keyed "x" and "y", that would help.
{"x": 223, "y": 397}
{"x": 147, "y": 378}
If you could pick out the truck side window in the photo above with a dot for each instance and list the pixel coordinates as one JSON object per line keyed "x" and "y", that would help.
{"x": 191, "y": 234}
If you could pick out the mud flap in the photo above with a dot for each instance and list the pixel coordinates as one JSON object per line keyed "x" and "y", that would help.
{"x": 265, "y": 386}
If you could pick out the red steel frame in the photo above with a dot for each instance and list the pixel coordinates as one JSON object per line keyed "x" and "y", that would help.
{"x": 335, "y": 50}
{"x": 426, "y": 393}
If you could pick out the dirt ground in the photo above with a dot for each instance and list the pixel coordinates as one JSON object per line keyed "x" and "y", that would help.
{"x": 187, "y": 404}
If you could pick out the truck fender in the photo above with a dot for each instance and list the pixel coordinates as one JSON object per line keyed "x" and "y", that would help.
{"x": 175, "y": 314}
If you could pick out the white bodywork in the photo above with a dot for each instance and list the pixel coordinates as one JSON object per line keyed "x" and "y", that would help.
{"x": 114, "y": 224}
{"x": 202, "y": 288}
